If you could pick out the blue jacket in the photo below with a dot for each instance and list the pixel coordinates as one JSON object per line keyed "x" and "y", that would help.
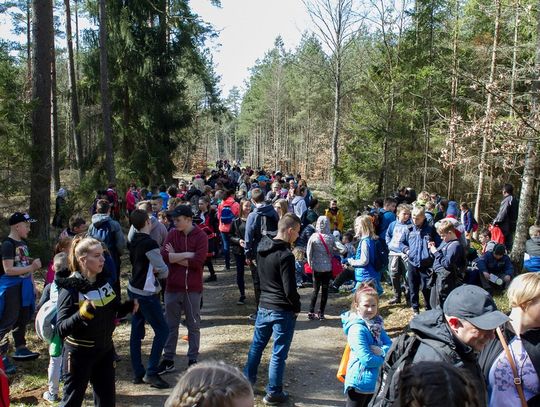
{"x": 394, "y": 233}
{"x": 364, "y": 366}
{"x": 414, "y": 243}
{"x": 253, "y": 227}
{"x": 385, "y": 219}
{"x": 488, "y": 263}
{"x": 467, "y": 220}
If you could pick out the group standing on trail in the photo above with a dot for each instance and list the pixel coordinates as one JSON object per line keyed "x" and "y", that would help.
{"x": 271, "y": 224}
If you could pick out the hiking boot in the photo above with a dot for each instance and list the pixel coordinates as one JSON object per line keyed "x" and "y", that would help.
{"x": 156, "y": 381}
{"x": 165, "y": 366}
{"x": 9, "y": 368}
{"x": 24, "y": 354}
{"x": 320, "y": 316}
{"x": 276, "y": 398}
{"x": 312, "y": 316}
{"x": 395, "y": 300}
{"x": 210, "y": 278}
{"x": 50, "y": 397}
{"x": 241, "y": 300}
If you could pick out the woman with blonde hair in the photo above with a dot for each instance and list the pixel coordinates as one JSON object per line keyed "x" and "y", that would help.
{"x": 364, "y": 260}
{"x": 211, "y": 384}
{"x": 87, "y": 307}
{"x": 513, "y": 375}
{"x": 281, "y": 206}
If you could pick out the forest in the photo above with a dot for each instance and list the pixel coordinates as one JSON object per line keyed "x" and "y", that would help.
{"x": 437, "y": 95}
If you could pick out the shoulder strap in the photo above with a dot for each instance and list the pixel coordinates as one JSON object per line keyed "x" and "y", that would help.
{"x": 324, "y": 244}
{"x": 517, "y": 379}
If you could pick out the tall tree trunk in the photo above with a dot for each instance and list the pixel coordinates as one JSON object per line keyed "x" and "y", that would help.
{"x": 105, "y": 102}
{"x": 29, "y": 38}
{"x": 488, "y": 127}
{"x": 514, "y": 57}
{"x": 75, "y": 118}
{"x": 55, "y": 140}
{"x": 335, "y": 127}
{"x": 453, "y": 108}
{"x": 40, "y": 178}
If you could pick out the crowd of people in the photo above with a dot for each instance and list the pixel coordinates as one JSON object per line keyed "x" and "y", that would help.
{"x": 271, "y": 222}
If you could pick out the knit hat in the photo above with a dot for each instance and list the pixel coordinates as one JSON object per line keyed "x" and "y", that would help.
{"x": 452, "y": 209}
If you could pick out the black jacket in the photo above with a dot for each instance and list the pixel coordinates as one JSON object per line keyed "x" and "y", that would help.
{"x": 507, "y": 216}
{"x": 275, "y": 265}
{"x": 238, "y": 232}
{"x": 143, "y": 252}
{"x": 97, "y": 332}
{"x": 432, "y": 325}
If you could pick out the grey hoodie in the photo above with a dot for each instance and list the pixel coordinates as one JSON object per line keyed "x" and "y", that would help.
{"x": 119, "y": 239}
{"x": 316, "y": 253}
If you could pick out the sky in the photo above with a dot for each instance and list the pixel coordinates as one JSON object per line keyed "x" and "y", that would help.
{"x": 247, "y": 29}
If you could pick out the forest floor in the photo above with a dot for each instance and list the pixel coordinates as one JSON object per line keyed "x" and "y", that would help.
{"x": 226, "y": 334}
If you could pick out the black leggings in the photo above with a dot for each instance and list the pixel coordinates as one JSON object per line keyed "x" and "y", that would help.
{"x": 346, "y": 275}
{"x": 355, "y": 399}
{"x": 320, "y": 278}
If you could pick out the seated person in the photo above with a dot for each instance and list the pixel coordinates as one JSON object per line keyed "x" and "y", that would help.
{"x": 495, "y": 268}
{"x": 485, "y": 240}
{"x": 532, "y": 250}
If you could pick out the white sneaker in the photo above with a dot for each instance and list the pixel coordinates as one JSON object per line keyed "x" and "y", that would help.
{"x": 51, "y": 398}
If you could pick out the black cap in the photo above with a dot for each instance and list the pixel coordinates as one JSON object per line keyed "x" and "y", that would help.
{"x": 181, "y": 210}
{"x": 19, "y": 217}
{"x": 475, "y": 305}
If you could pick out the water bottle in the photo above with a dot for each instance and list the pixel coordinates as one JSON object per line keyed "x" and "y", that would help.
{"x": 495, "y": 280}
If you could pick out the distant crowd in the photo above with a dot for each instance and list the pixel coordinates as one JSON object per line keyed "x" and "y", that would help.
{"x": 272, "y": 224}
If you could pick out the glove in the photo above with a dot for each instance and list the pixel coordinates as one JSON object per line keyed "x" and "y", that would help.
{"x": 87, "y": 310}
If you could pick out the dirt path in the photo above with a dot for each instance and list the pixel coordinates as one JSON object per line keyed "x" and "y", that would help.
{"x": 226, "y": 334}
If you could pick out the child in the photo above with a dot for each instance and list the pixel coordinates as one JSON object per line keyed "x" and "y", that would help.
{"x": 347, "y": 241}
{"x": 396, "y": 263}
{"x": 532, "y": 250}
{"x": 147, "y": 267}
{"x": 62, "y": 246}
{"x": 60, "y": 266}
{"x": 368, "y": 342}
{"x": 449, "y": 264}
{"x": 211, "y": 384}
{"x": 164, "y": 219}
{"x": 487, "y": 243}
{"x": 430, "y": 213}
{"x": 467, "y": 220}
{"x": 364, "y": 260}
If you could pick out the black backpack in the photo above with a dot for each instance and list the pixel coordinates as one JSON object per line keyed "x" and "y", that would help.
{"x": 399, "y": 356}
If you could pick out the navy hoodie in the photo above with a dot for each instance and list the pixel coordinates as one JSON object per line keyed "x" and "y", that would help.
{"x": 254, "y": 230}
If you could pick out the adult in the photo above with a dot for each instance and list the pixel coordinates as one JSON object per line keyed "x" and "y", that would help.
{"x": 522, "y": 336}
{"x": 238, "y": 233}
{"x": 335, "y": 216}
{"x": 184, "y": 251}
{"x": 457, "y": 333}
{"x": 279, "y": 307}
{"x": 60, "y": 209}
{"x": 506, "y": 218}
{"x": 132, "y": 198}
{"x": 228, "y": 210}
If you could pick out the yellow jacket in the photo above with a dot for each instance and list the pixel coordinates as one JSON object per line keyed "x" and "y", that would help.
{"x": 336, "y": 221}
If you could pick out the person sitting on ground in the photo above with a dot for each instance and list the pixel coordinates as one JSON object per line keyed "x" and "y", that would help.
{"x": 435, "y": 384}
{"x": 522, "y": 336}
{"x": 335, "y": 216}
{"x": 368, "y": 342}
{"x": 532, "y": 250}
{"x": 495, "y": 268}
{"x": 485, "y": 240}
{"x": 211, "y": 384}
{"x": 455, "y": 335}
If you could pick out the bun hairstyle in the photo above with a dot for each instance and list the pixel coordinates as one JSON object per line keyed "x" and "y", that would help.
{"x": 366, "y": 289}
{"x": 79, "y": 248}
{"x": 210, "y": 384}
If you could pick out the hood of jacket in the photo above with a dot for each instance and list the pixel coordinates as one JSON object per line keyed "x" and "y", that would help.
{"x": 78, "y": 282}
{"x": 268, "y": 245}
{"x": 349, "y": 319}
{"x": 432, "y": 325}
{"x": 266, "y": 210}
{"x": 99, "y": 218}
{"x": 323, "y": 225}
{"x": 229, "y": 201}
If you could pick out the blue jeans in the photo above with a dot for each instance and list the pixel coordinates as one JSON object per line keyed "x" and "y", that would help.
{"x": 280, "y": 325}
{"x": 225, "y": 240}
{"x": 149, "y": 310}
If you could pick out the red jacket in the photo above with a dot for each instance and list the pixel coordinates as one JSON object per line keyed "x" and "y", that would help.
{"x": 196, "y": 241}
{"x": 235, "y": 208}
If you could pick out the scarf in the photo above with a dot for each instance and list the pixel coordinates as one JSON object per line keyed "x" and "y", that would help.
{"x": 375, "y": 326}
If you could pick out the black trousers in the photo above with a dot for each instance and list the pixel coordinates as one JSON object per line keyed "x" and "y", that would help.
{"x": 256, "y": 283}
{"x": 14, "y": 319}
{"x": 346, "y": 275}
{"x": 320, "y": 279}
{"x": 83, "y": 365}
{"x": 355, "y": 399}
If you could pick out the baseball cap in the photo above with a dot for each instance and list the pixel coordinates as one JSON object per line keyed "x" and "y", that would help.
{"x": 475, "y": 305}
{"x": 181, "y": 210}
{"x": 19, "y": 217}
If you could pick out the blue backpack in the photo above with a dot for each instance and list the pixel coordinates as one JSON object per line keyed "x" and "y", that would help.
{"x": 227, "y": 215}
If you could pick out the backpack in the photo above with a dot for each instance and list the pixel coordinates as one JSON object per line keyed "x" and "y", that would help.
{"x": 46, "y": 320}
{"x": 227, "y": 215}
{"x": 398, "y": 357}
{"x": 265, "y": 229}
{"x": 381, "y": 258}
{"x": 104, "y": 234}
